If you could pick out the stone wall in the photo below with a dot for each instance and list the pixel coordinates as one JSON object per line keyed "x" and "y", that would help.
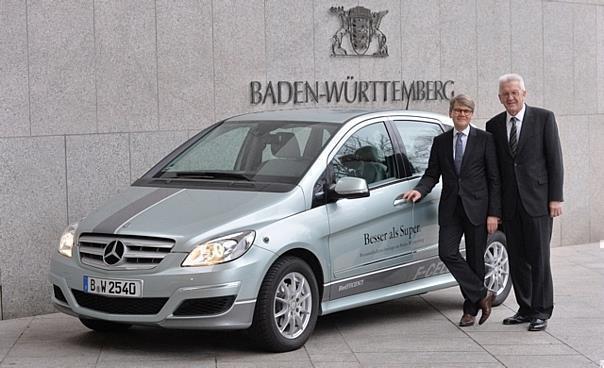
{"x": 92, "y": 93}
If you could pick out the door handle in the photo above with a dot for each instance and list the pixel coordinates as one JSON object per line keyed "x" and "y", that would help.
{"x": 399, "y": 201}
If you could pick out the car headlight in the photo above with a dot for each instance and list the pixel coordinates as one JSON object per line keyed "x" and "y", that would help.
{"x": 67, "y": 240}
{"x": 220, "y": 250}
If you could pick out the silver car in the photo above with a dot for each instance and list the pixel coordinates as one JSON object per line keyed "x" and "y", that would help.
{"x": 266, "y": 221}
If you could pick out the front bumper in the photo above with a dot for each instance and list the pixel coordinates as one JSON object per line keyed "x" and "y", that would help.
{"x": 239, "y": 279}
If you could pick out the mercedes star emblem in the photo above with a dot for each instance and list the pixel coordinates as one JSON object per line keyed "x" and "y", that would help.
{"x": 114, "y": 252}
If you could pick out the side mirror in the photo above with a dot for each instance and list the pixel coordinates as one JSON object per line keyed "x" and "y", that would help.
{"x": 350, "y": 187}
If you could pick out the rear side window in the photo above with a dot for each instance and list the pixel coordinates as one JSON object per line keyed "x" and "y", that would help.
{"x": 417, "y": 140}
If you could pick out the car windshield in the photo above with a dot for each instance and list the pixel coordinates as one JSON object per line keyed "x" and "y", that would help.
{"x": 253, "y": 151}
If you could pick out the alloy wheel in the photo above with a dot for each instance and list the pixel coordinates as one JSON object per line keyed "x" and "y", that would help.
{"x": 497, "y": 267}
{"x": 293, "y": 305}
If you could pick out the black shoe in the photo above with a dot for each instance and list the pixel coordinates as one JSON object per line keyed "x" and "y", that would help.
{"x": 537, "y": 324}
{"x": 516, "y": 319}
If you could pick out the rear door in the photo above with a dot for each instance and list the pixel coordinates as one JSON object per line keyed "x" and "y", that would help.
{"x": 415, "y": 137}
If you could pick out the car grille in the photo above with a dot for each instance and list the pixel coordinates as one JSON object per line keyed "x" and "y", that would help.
{"x": 205, "y": 306}
{"x": 139, "y": 252}
{"x": 116, "y": 305}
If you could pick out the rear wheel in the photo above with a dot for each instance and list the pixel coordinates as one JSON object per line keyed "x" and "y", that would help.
{"x": 104, "y": 326}
{"x": 287, "y": 306}
{"x": 497, "y": 268}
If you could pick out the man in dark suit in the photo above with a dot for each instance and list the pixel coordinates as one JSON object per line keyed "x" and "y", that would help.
{"x": 470, "y": 203}
{"x": 530, "y": 162}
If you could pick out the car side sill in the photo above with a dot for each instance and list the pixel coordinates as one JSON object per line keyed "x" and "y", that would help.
{"x": 388, "y": 293}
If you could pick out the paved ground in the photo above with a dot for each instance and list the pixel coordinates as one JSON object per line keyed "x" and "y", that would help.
{"x": 413, "y": 332}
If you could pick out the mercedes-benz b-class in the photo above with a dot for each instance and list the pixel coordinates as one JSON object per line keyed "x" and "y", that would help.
{"x": 266, "y": 221}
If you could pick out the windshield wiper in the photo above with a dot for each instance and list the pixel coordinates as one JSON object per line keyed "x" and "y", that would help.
{"x": 205, "y": 175}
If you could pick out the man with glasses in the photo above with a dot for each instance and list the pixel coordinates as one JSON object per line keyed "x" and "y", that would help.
{"x": 470, "y": 203}
{"x": 530, "y": 160}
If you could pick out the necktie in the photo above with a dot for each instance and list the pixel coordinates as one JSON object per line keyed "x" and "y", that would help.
{"x": 513, "y": 137}
{"x": 458, "y": 152}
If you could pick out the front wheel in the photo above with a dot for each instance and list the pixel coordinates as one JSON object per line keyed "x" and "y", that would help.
{"x": 287, "y": 306}
{"x": 497, "y": 268}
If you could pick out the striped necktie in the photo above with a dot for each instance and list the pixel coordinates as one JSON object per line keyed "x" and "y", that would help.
{"x": 513, "y": 137}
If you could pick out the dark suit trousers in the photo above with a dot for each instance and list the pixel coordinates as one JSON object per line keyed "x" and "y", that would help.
{"x": 469, "y": 273}
{"x": 528, "y": 241}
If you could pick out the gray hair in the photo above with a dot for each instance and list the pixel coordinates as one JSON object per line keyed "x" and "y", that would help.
{"x": 463, "y": 100}
{"x": 512, "y": 77}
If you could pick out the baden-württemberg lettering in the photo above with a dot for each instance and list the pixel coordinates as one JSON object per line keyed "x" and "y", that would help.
{"x": 349, "y": 91}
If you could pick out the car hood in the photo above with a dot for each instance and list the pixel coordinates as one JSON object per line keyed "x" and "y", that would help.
{"x": 190, "y": 215}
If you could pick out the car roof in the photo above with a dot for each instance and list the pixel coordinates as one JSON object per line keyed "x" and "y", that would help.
{"x": 337, "y": 116}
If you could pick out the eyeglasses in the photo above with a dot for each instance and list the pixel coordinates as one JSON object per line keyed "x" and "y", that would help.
{"x": 463, "y": 111}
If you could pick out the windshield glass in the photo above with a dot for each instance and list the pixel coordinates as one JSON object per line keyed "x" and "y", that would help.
{"x": 254, "y": 151}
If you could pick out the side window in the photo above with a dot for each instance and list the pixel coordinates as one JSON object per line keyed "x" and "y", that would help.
{"x": 368, "y": 154}
{"x": 417, "y": 138}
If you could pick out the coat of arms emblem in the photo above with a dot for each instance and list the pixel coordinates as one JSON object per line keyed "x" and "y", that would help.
{"x": 361, "y": 25}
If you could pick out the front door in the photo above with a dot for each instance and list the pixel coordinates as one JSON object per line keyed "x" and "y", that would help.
{"x": 369, "y": 234}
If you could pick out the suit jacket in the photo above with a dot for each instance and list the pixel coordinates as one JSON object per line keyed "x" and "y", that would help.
{"x": 478, "y": 183}
{"x": 536, "y": 173}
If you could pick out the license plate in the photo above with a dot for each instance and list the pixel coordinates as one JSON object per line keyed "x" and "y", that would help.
{"x": 127, "y": 288}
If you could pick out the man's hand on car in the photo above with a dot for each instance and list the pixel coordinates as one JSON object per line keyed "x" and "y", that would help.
{"x": 412, "y": 195}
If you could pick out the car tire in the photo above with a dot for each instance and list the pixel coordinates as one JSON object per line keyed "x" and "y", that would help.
{"x": 497, "y": 267}
{"x": 287, "y": 306}
{"x": 104, "y": 326}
